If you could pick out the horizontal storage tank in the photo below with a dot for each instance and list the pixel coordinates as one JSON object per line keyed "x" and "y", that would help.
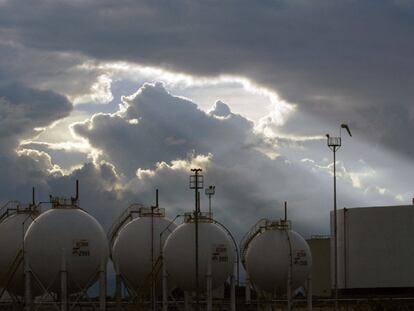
{"x": 137, "y": 246}
{"x": 215, "y": 246}
{"x": 270, "y": 250}
{"x": 66, "y": 236}
{"x": 16, "y": 220}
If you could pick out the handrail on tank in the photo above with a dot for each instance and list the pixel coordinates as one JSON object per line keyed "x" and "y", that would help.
{"x": 202, "y": 217}
{"x": 262, "y": 224}
{"x": 8, "y": 209}
{"x": 4, "y": 210}
{"x": 126, "y": 215}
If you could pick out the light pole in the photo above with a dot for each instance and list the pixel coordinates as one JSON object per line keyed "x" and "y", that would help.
{"x": 196, "y": 183}
{"x": 334, "y": 143}
{"x": 210, "y": 191}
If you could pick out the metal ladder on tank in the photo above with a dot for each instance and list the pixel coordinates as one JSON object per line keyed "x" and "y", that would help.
{"x": 126, "y": 216}
{"x": 17, "y": 261}
{"x": 8, "y": 209}
{"x": 250, "y": 235}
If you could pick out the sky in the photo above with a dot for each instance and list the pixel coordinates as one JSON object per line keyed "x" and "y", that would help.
{"x": 128, "y": 96}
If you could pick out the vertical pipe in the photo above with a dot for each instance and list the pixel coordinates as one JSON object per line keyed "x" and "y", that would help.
{"x": 102, "y": 286}
{"x": 309, "y": 292}
{"x": 164, "y": 286}
{"x": 289, "y": 278}
{"x": 196, "y": 252}
{"x": 335, "y": 238}
{"x": 33, "y": 196}
{"x": 118, "y": 291}
{"x": 187, "y": 301}
{"x": 247, "y": 288}
{"x": 152, "y": 255}
{"x": 233, "y": 290}
{"x": 77, "y": 191}
{"x": 28, "y": 285}
{"x": 63, "y": 283}
{"x": 345, "y": 251}
{"x": 289, "y": 291}
{"x": 209, "y": 205}
{"x": 209, "y": 285}
{"x": 285, "y": 211}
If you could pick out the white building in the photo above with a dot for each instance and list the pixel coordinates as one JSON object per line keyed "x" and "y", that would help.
{"x": 375, "y": 249}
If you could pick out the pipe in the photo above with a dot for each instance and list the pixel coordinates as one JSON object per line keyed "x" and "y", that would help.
{"x": 63, "y": 283}
{"x": 152, "y": 254}
{"x": 118, "y": 291}
{"x": 209, "y": 285}
{"x": 247, "y": 289}
{"x": 33, "y": 196}
{"x": 164, "y": 286}
{"x": 77, "y": 191}
{"x": 233, "y": 290}
{"x": 102, "y": 286}
{"x": 186, "y": 301}
{"x": 289, "y": 279}
{"x": 28, "y": 285}
{"x": 309, "y": 292}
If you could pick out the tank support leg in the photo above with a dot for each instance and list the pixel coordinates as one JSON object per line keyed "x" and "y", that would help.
{"x": 164, "y": 287}
{"x": 102, "y": 286}
{"x": 248, "y": 294}
{"x": 309, "y": 292}
{"x": 28, "y": 285}
{"x": 63, "y": 283}
{"x": 187, "y": 301}
{"x": 233, "y": 290}
{"x": 118, "y": 291}
{"x": 289, "y": 290}
{"x": 209, "y": 285}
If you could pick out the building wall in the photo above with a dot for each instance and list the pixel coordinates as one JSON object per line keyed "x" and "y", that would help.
{"x": 320, "y": 249}
{"x": 375, "y": 247}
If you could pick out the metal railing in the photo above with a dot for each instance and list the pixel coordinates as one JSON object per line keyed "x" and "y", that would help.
{"x": 15, "y": 207}
{"x": 122, "y": 220}
{"x": 262, "y": 225}
{"x": 202, "y": 217}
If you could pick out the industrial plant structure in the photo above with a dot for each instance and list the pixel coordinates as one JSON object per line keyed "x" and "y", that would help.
{"x": 50, "y": 260}
{"x": 14, "y": 221}
{"x": 277, "y": 261}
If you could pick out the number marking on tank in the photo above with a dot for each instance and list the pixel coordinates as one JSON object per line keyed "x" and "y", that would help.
{"x": 219, "y": 253}
{"x": 80, "y": 248}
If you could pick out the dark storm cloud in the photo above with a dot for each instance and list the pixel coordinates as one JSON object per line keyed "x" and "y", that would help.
{"x": 339, "y": 60}
{"x": 23, "y": 109}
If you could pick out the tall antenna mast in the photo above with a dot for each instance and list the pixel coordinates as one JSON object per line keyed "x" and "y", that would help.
{"x": 196, "y": 183}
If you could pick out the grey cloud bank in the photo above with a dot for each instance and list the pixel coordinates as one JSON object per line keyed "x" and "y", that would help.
{"x": 351, "y": 60}
{"x": 250, "y": 185}
{"x": 338, "y": 61}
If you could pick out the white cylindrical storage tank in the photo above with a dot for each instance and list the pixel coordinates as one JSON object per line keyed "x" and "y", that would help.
{"x": 215, "y": 246}
{"x": 12, "y": 230}
{"x": 273, "y": 250}
{"x": 137, "y": 247}
{"x": 69, "y": 235}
